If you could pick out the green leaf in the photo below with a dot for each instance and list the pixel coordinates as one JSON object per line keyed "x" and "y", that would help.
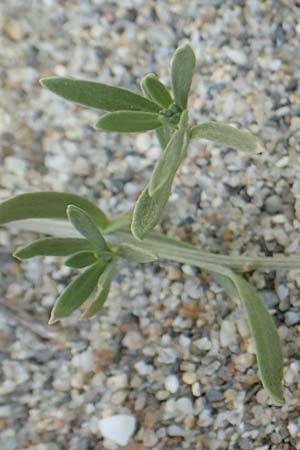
{"x": 164, "y": 135}
{"x": 182, "y": 70}
{"x": 47, "y": 205}
{"x": 103, "y": 290}
{"x": 86, "y": 226}
{"x": 76, "y": 293}
{"x": 169, "y": 162}
{"x": 156, "y": 91}
{"x": 264, "y": 332}
{"x": 227, "y": 135}
{"x": 52, "y": 247}
{"x": 129, "y": 121}
{"x": 81, "y": 259}
{"x": 136, "y": 254}
{"x": 148, "y": 211}
{"x": 98, "y": 95}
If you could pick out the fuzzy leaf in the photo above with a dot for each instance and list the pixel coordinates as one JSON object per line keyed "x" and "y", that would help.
{"x": 148, "y": 211}
{"x": 227, "y": 135}
{"x": 182, "y": 70}
{"x": 52, "y": 247}
{"x": 98, "y": 95}
{"x": 76, "y": 292}
{"x": 47, "y": 205}
{"x": 103, "y": 290}
{"x": 136, "y": 254}
{"x": 85, "y": 225}
{"x": 156, "y": 91}
{"x": 267, "y": 341}
{"x": 164, "y": 135}
{"x": 169, "y": 162}
{"x": 128, "y": 121}
{"x": 81, "y": 259}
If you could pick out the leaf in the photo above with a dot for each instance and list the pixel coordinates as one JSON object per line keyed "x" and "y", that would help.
{"x": 81, "y": 259}
{"x": 227, "y": 135}
{"x": 128, "y": 121}
{"x": 103, "y": 290}
{"x": 148, "y": 211}
{"x": 86, "y": 227}
{"x": 156, "y": 91}
{"x": 164, "y": 135}
{"x": 123, "y": 220}
{"x": 47, "y": 205}
{"x": 52, "y": 247}
{"x": 169, "y": 162}
{"x": 264, "y": 332}
{"x": 76, "y": 292}
{"x": 136, "y": 254}
{"x": 98, "y": 95}
{"x": 182, "y": 69}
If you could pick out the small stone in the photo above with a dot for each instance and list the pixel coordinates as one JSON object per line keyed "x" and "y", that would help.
{"x": 189, "y": 377}
{"x": 149, "y": 438}
{"x": 273, "y": 204}
{"x": 84, "y": 361}
{"x": 270, "y": 298}
{"x": 237, "y": 56}
{"x": 227, "y": 333}
{"x": 293, "y": 429}
{"x": 172, "y": 383}
{"x": 133, "y": 340}
{"x": 189, "y": 311}
{"x": 81, "y": 167}
{"x": 175, "y": 430}
{"x": 196, "y": 389}
{"x": 143, "y": 369}
{"x": 213, "y": 395}
{"x": 291, "y": 318}
{"x": 119, "y": 381}
{"x": 118, "y": 428}
{"x": 184, "y": 405}
{"x": 203, "y": 343}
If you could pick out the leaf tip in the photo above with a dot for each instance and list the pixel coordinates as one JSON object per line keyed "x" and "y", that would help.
{"x": 53, "y": 319}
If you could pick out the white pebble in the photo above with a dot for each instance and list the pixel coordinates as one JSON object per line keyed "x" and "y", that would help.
{"x": 227, "y": 333}
{"x": 172, "y": 383}
{"x": 118, "y": 428}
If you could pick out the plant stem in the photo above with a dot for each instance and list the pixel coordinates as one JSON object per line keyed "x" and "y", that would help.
{"x": 170, "y": 249}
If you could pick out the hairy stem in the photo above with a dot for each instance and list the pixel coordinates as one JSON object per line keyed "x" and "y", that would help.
{"x": 166, "y": 248}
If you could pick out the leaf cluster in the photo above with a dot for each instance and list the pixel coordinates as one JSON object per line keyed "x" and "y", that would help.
{"x": 102, "y": 242}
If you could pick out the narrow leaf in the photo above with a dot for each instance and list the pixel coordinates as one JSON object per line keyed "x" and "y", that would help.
{"x": 164, "y": 135}
{"x": 76, "y": 292}
{"x": 227, "y": 135}
{"x": 53, "y": 247}
{"x": 128, "y": 121}
{"x": 98, "y": 95}
{"x": 267, "y": 341}
{"x": 182, "y": 70}
{"x": 148, "y": 211}
{"x": 136, "y": 254}
{"x": 156, "y": 91}
{"x": 81, "y": 259}
{"x": 169, "y": 162}
{"x": 47, "y": 205}
{"x": 103, "y": 290}
{"x": 85, "y": 225}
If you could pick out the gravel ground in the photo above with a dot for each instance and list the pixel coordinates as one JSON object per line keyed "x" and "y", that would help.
{"x": 170, "y": 363}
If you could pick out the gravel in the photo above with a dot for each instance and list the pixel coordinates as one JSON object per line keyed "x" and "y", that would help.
{"x": 170, "y": 363}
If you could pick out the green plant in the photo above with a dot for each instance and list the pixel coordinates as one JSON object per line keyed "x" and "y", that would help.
{"x": 99, "y": 243}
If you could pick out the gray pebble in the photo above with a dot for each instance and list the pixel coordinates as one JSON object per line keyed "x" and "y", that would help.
{"x": 291, "y": 318}
{"x": 273, "y": 204}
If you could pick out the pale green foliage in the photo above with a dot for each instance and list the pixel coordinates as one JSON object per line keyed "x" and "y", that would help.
{"x": 128, "y": 236}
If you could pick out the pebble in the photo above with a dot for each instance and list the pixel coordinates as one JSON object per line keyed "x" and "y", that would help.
{"x": 172, "y": 384}
{"x": 175, "y": 430}
{"x": 119, "y": 381}
{"x": 133, "y": 340}
{"x": 291, "y": 318}
{"x": 118, "y": 428}
{"x": 274, "y": 204}
{"x": 227, "y": 333}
